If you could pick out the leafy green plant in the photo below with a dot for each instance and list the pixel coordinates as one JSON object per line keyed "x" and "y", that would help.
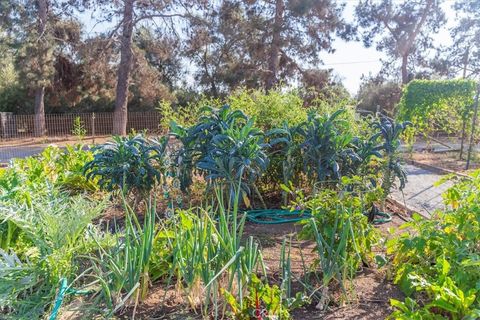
{"x": 437, "y": 260}
{"x": 52, "y": 233}
{"x": 325, "y": 147}
{"x": 225, "y": 147}
{"x": 237, "y": 154}
{"x": 391, "y": 132}
{"x": 344, "y": 238}
{"x": 61, "y": 169}
{"x": 285, "y": 163}
{"x": 263, "y": 301}
{"x": 79, "y": 130}
{"x": 133, "y": 164}
{"x": 196, "y": 141}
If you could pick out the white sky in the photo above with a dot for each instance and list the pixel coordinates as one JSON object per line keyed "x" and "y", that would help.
{"x": 350, "y": 60}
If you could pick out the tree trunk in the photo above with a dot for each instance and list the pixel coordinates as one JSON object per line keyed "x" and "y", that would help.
{"x": 407, "y": 47}
{"x": 39, "y": 107}
{"x": 404, "y": 69}
{"x": 124, "y": 69}
{"x": 273, "y": 60}
{"x": 465, "y": 63}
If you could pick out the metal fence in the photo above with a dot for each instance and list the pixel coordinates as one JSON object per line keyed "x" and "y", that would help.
{"x": 17, "y": 138}
{"x": 17, "y": 127}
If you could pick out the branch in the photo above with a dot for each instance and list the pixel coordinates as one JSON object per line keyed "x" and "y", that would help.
{"x": 151, "y": 16}
{"x": 415, "y": 32}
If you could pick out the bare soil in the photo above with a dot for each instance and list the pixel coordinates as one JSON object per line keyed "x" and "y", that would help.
{"x": 447, "y": 160}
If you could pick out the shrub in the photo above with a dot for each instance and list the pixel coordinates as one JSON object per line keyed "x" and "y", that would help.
{"x": 269, "y": 110}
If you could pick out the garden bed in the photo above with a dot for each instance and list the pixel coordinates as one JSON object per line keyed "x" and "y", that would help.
{"x": 147, "y": 228}
{"x": 446, "y": 160}
{"x": 371, "y": 290}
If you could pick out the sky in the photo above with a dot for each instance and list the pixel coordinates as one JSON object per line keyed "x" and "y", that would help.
{"x": 350, "y": 60}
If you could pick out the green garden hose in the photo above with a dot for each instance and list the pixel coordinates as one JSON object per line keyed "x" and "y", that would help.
{"x": 62, "y": 291}
{"x": 276, "y": 216}
{"x": 386, "y": 218}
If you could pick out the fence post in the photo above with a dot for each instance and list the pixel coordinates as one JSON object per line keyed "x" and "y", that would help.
{"x": 93, "y": 127}
{"x": 472, "y": 134}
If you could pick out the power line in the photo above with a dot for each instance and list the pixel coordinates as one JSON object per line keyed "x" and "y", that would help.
{"x": 350, "y": 62}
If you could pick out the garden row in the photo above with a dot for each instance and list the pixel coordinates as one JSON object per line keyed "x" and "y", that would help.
{"x": 87, "y": 233}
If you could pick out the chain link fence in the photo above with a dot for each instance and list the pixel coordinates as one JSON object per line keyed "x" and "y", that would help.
{"x": 17, "y": 138}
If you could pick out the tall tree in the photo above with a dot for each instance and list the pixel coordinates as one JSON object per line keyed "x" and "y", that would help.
{"x": 28, "y": 24}
{"x": 401, "y": 29}
{"x": 261, "y": 42}
{"x": 462, "y": 58}
{"x": 128, "y": 15}
{"x": 39, "y": 29}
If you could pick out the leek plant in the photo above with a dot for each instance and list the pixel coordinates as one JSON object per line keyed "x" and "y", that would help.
{"x": 332, "y": 257}
{"x": 123, "y": 269}
{"x": 209, "y": 256}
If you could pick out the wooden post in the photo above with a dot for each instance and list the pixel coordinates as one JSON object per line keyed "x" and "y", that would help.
{"x": 93, "y": 127}
{"x": 472, "y": 133}
{"x": 462, "y": 143}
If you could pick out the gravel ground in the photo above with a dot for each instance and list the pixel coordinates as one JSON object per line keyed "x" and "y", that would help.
{"x": 420, "y": 193}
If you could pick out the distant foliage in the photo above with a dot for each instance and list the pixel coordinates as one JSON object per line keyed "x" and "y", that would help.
{"x": 437, "y": 104}
{"x": 270, "y": 109}
{"x": 382, "y": 97}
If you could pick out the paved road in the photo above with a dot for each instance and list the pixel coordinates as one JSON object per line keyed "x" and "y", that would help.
{"x": 420, "y": 193}
{"x": 7, "y": 153}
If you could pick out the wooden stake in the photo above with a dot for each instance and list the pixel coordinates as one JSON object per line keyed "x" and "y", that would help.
{"x": 472, "y": 133}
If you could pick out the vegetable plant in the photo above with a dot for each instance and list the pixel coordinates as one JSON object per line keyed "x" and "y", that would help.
{"x": 133, "y": 164}
{"x": 196, "y": 141}
{"x": 390, "y": 132}
{"x": 325, "y": 147}
{"x": 224, "y": 147}
{"x": 437, "y": 261}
